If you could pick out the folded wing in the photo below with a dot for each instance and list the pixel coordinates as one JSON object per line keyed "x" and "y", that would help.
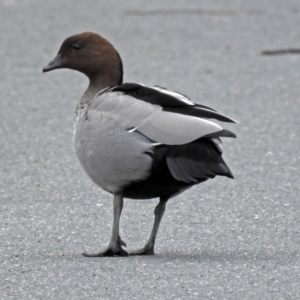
{"x": 163, "y": 116}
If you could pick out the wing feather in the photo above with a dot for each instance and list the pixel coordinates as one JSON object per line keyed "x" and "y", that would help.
{"x": 161, "y": 115}
{"x": 175, "y": 129}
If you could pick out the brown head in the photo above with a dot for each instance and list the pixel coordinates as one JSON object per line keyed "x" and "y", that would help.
{"x": 92, "y": 55}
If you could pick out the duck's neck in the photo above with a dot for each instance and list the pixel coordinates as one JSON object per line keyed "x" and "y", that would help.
{"x": 90, "y": 92}
{"x": 98, "y": 83}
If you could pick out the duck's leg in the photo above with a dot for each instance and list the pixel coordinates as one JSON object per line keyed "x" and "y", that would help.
{"x": 159, "y": 210}
{"x": 114, "y": 247}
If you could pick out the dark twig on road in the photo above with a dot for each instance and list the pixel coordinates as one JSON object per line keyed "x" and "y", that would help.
{"x": 281, "y": 51}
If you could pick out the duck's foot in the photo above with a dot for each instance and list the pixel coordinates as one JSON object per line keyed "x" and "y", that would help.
{"x": 107, "y": 252}
{"x": 113, "y": 249}
{"x": 146, "y": 250}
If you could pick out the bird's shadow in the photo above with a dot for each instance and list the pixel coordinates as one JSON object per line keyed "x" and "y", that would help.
{"x": 206, "y": 256}
{"x": 225, "y": 256}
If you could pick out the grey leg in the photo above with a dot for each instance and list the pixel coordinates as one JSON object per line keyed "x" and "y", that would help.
{"x": 115, "y": 245}
{"x": 159, "y": 210}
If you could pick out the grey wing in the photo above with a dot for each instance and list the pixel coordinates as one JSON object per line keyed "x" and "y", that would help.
{"x": 175, "y": 129}
{"x": 152, "y": 121}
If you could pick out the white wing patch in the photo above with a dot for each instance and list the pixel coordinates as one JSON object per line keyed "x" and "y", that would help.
{"x": 178, "y": 96}
{"x": 132, "y": 129}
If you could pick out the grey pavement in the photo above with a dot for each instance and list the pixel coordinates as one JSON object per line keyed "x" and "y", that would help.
{"x": 224, "y": 239}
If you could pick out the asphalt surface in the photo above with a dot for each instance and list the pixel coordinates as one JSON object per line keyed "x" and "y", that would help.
{"x": 224, "y": 239}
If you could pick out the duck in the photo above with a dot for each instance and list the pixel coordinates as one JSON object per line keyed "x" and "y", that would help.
{"x": 136, "y": 141}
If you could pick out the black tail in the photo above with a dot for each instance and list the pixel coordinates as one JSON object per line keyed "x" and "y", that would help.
{"x": 196, "y": 161}
{"x": 178, "y": 167}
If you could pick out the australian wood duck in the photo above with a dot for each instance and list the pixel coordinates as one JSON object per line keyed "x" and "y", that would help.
{"x": 136, "y": 141}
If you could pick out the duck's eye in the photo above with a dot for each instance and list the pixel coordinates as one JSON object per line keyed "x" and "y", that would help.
{"x": 76, "y": 46}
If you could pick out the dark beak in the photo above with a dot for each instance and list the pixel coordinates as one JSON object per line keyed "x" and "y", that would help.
{"x": 55, "y": 63}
